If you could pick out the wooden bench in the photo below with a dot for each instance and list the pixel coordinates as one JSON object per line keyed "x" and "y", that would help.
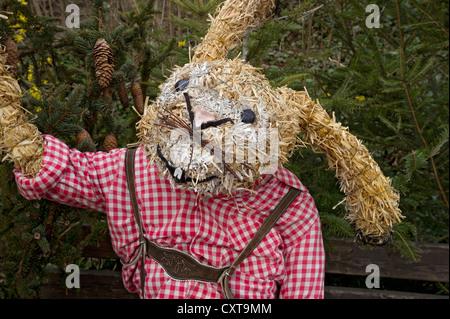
{"x": 346, "y": 258}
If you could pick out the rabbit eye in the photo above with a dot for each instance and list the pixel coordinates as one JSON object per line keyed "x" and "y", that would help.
{"x": 181, "y": 85}
{"x": 248, "y": 116}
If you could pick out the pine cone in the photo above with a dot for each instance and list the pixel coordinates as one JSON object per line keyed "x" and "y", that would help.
{"x": 13, "y": 56}
{"x": 82, "y": 135}
{"x": 123, "y": 95}
{"x": 109, "y": 143}
{"x": 138, "y": 97}
{"x": 103, "y": 62}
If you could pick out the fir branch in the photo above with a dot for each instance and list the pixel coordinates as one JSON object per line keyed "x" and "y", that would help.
{"x": 336, "y": 226}
{"x": 413, "y": 113}
{"x": 430, "y": 17}
{"x": 212, "y": 4}
{"x": 189, "y": 6}
{"x": 407, "y": 92}
{"x": 403, "y": 235}
{"x": 73, "y": 99}
{"x": 438, "y": 143}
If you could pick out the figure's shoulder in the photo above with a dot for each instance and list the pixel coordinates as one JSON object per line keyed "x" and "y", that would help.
{"x": 303, "y": 211}
{"x": 289, "y": 178}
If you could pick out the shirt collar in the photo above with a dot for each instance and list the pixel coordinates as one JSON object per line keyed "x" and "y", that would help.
{"x": 289, "y": 178}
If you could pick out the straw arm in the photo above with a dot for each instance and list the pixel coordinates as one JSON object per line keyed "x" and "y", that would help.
{"x": 371, "y": 201}
{"x": 20, "y": 141}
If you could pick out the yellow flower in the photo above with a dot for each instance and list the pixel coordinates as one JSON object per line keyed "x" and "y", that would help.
{"x": 30, "y": 73}
{"x": 18, "y": 38}
{"x": 49, "y": 60}
{"x": 182, "y": 44}
{"x": 23, "y": 2}
{"x": 22, "y": 17}
{"x": 35, "y": 92}
{"x": 38, "y": 109}
{"x": 361, "y": 98}
{"x": 22, "y": 31}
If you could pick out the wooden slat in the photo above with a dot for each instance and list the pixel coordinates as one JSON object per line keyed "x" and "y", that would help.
{"x": 94, "y": 284}
{"x": 351, "y": 259}
{"x": 102, "y": 249}
{"x": 360, "y": 293}
{"x": 347, "y": 258}
{"x": 108, "y": 285}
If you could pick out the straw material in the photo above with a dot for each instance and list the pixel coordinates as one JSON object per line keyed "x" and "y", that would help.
{"x": 21, "y": 140}
{"x": 228, "y": 27}
{"x": 227, "y": 87}
{"x": 217, "y": 87}
{"x": 371, "y": 201}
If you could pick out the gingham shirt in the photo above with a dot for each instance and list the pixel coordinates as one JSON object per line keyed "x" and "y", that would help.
{"x": 288, "y": 263}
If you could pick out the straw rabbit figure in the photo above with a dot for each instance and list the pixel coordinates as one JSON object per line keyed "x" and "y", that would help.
{"x": 371, "y": 202}
{"x": 216, "y": 131}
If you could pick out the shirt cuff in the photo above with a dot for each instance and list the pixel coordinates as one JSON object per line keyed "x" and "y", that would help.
{"x": 54, "y": 163}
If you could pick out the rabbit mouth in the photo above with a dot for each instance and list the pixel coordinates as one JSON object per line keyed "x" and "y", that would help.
{"x": 179, "y": 174}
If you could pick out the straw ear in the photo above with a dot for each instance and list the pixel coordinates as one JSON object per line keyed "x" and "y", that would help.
{"x": 229, "y": 25}
{"x": 371, "y": 201}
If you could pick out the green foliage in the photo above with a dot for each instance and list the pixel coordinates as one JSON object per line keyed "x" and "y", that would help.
{"x": 60, "y": 90}
{"x": 58, "y": 112}
{"x": 195, "y": 21}
{"x": 34, "y": 234}
{"x": 388, "y": 85}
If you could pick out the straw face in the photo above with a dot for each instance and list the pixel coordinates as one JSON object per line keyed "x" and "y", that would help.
{"x": 227, "y": 151}
{"x": 21, "y": 140}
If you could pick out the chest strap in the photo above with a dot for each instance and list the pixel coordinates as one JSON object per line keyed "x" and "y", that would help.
{"x": 181, "y": 266}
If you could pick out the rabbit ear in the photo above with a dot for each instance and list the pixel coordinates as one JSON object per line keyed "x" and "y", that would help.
{"x": 372, "y": 203}
{"x": 229, "y": 25}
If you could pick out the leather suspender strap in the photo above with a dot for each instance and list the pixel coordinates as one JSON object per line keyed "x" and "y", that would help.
{"x": 129, "y": 170}
{"x": 271, "y": 220}
{"x": 182, "y": 266}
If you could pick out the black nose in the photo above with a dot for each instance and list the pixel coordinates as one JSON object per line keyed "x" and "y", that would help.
{"x": 248, "y": 116}
{"x": 181, "y": 85}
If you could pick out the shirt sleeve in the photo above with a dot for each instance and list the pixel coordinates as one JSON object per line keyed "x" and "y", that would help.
{"x": 305, "y": 267}
{"x": 71, "y": 177}
{"x": 304, "y": 253}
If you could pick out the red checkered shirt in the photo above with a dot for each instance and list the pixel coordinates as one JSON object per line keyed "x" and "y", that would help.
{"x": 288, "y": 263}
